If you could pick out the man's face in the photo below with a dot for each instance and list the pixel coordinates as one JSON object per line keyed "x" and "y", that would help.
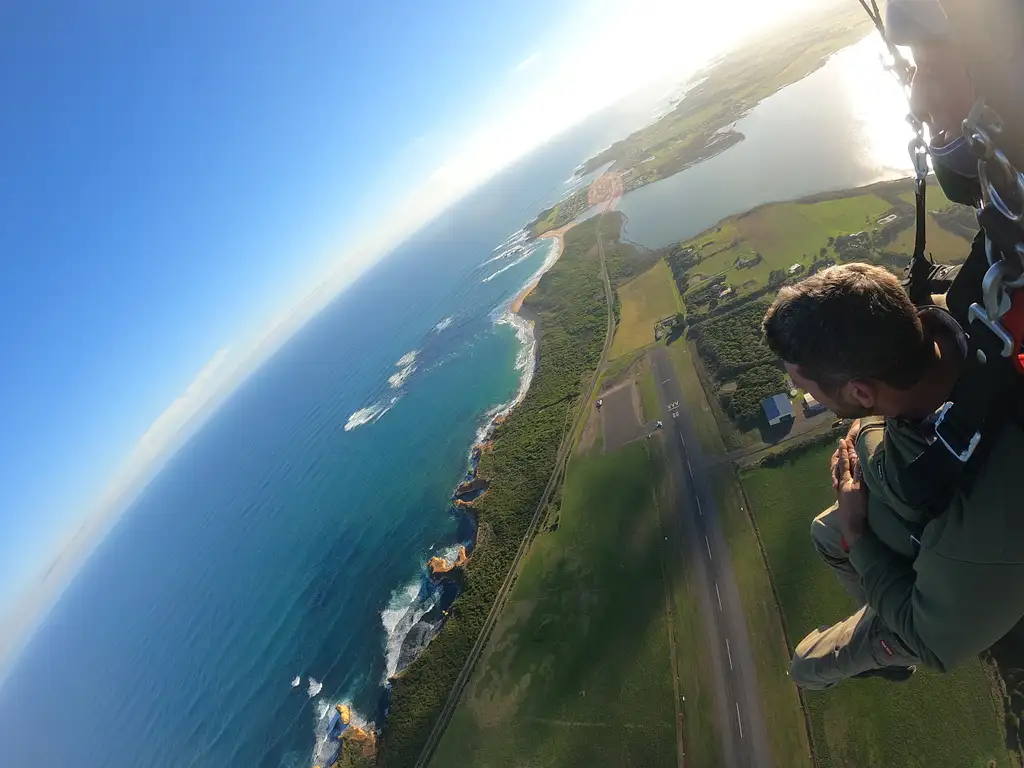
{"x": 941, "y": 94}
{"x": 843, "y": 403}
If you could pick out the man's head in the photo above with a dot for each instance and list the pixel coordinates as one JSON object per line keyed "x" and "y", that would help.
{"x": 941, "y": 93}
{"x": 850, "y": 336}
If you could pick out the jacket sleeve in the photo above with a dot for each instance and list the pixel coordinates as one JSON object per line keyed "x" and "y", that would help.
{"x": 944, "y": 610}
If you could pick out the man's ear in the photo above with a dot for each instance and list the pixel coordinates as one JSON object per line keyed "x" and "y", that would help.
{"x": 862, "y": 392}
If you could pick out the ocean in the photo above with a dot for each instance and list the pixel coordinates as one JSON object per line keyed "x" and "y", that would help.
{"x": 289, "y": 537}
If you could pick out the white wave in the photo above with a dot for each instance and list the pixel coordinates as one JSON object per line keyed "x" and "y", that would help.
{"x": 398, "y": 379}
{"x": 507, "y": 253}
{"x": 525, "y": 363}
{"x": 369, "y": 414}
{"x": 406, "y": 366}
{"x": 405, "y": 608}
{"x": 322, "y": 751}
{"x": 516, "y": 237}
{"x": 451, "y": 553}
{"x": 443, "y": 324}
{"x": 520, "y": 260}
{"x": 315, "y": 686}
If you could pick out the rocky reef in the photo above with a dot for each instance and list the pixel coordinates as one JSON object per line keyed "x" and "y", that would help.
{"x": 439, "y": 565}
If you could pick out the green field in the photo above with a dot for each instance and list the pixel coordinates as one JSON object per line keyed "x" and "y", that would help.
{"x": 944, "y": 247}
{"x": 933, "y": 720}
{"x": 783, "y": 234}
{"x": 648, "y": 392}
{"x": 644, "y": 300}
{"x": 578, "y": 668}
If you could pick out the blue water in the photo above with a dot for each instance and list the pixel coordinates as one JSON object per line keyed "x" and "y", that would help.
{"x": 278, "y": 542}
{"x": 838, "y": 128}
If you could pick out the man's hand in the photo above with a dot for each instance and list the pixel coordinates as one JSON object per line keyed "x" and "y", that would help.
{"x": 851, "y": 495}
{"x": 851, "y": 439}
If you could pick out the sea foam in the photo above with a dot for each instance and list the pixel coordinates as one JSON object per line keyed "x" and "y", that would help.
{"x": 370, "y": 413}
{"x": 406, "y": 607}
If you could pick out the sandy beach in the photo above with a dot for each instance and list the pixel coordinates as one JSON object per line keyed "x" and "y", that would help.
{"x": 607, "y": 189}
{"x": 559, "y": 234}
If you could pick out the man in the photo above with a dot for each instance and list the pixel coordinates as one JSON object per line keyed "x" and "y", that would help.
{"x": 936, "y": 588}
{"x": 865, "y": 645}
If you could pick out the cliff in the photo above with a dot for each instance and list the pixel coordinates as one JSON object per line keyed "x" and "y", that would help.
{"x": 438, "y": 565}
{"x": 470, "y": 489}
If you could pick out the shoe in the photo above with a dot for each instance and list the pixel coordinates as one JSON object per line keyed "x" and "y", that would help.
{"x": 892, "y": 674}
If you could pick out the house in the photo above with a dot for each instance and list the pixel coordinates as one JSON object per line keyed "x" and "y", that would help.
{"x": 796, "y": 269}
{"x": 812, "y": 406}
{"x": 778, "y": 408}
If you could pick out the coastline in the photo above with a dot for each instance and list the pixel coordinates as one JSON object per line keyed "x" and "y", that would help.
{"x": 516, "y": 305}
{"x": 431, "y": 591}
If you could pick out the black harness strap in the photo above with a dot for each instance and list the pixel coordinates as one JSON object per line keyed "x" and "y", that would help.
{"x": 988, "y": 395}
{"x": 917, "y": 275}
{"x": 967, "y": 427}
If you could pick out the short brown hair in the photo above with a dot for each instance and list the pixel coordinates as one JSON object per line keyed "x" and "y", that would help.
{"x": 849, "y": 322}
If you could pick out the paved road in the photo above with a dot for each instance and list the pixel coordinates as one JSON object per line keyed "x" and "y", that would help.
{"x": 737, "y": 695}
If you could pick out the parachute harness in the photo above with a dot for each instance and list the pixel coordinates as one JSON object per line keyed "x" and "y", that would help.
{"x": 988, "y": 392}
{"x": 920, "y": 269}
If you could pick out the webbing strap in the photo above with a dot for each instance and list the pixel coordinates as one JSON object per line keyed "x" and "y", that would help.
{"x": 965, "y": 430}
{"x": 917, "y": 275}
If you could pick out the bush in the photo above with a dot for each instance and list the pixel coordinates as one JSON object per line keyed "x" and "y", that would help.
{"x": 752, "y": 387}
{"x": 732, "y": 343}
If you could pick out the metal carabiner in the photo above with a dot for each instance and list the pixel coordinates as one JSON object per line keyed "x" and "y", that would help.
{"x": 991, "y": 191}
{"x": 918, "y": 149}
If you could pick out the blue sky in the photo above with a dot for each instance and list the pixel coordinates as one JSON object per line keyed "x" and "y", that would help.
{"x": 177, "y": 176}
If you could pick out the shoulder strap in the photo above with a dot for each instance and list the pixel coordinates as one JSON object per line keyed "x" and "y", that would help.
{"x": 988, "y": 395}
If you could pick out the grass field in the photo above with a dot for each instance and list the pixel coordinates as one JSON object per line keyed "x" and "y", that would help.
{"x": 783, "y": 234}
{"x": 578, "y": 670}
{"x": 644, "y": 300}
{"x": 933, "y": 720}
{"x": 935, "y": 198}
{"x": 944, "y": 247}
{"x": 648, "y": 392}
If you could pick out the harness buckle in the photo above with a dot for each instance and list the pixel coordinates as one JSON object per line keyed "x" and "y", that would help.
{"x": 977, "y": 312}
{"x": 969, "y": 445}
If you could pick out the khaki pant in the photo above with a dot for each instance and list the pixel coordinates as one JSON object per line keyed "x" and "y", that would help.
{"x": 857, "y": 644}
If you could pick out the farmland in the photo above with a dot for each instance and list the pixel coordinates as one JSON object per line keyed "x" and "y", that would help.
{"x": 932, "y": 720}
{"x": 643, "y": 301}
{"x": 578, "y": 669}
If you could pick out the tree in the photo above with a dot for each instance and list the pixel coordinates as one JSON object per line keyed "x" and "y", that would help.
{"x": 680, "y": 319}
{"x": 831, "y": 242}
{"x": 823, "y": 252}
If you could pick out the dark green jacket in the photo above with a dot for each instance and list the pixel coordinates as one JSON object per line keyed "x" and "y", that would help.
{"x": 952, "y": 586}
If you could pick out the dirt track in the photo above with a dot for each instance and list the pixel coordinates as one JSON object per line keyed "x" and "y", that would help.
{"x": 621, "y": 416}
